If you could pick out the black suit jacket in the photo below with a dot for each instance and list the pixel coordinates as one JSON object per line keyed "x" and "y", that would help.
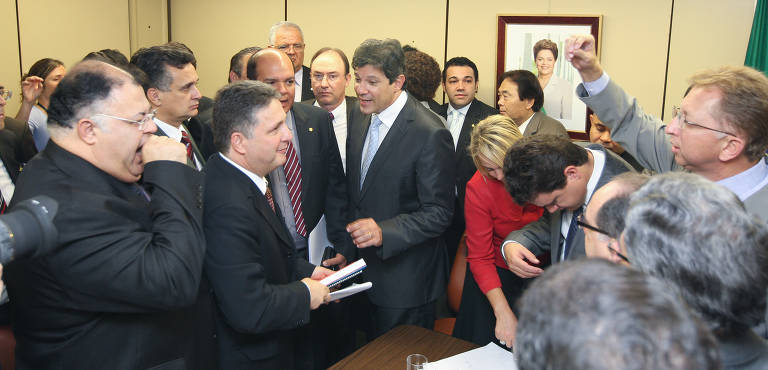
{"x": 465, "y": 166}
{"x": 253, "y": 269}
{"x": 199, "y": 127}
{"x": 322, "y": 175}
{"x": 16, "y": 146}
{"x": 110, "y": 296}
{"x": 306, "y": 84}
{"x": 409, "y": 192}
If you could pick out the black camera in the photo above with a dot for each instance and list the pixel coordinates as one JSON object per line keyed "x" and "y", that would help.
{"x": 28, "y": 230}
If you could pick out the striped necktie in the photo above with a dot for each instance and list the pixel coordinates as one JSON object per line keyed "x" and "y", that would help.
{"x": 292, "y": 170}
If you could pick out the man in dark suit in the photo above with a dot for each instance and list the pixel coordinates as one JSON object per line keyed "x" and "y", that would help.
{"x": 288, "y": 38}
{"x": 251, "y": 259}
{"x": 318, "y": 187}
{"x": 552, "y": 172}
{"x": 462, "y": 112}
{"x": 521, "y": 98}
{"x": 239, "y": 62}
{"x": 110, "y": 296}
{"x": 330, "y": 77}
{"x": 400, "y": 179}
{"x": 171, "y": 88}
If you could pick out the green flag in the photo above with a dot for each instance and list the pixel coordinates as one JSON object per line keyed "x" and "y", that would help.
{"x": 757, "y": 51}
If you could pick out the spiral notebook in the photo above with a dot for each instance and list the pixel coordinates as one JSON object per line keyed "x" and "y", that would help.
{"x": 344, "y": 274}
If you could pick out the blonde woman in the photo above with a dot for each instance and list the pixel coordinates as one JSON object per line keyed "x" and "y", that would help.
{"x": 491, "y": 290}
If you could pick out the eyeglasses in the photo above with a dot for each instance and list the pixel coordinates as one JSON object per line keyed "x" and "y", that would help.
{"x": 683, "y": 122}
{"x": 584, "y": 225}
{"x": 285, "y": 47}
{"x": 139, "y": 123}
{"x": 6, "y": 94}
{"x": 319, "y": 77}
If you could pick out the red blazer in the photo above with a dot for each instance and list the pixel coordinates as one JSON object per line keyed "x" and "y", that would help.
{"x": 491, "y": 215}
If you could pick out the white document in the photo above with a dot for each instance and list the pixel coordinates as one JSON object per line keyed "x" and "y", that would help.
{"x": 487, "y": 358}
{"x": 348, "y": 272}
{"x": 350, "y": 290}
{"x": 318, "y": 240}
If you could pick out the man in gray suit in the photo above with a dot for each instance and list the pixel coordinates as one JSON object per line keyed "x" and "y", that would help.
{"x": 552, "y": 172}
{"x": 521, "y": 98}
{"x": 719, "y": 132}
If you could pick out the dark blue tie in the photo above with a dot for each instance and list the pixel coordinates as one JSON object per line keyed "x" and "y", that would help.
{"x": 572, "y": 230}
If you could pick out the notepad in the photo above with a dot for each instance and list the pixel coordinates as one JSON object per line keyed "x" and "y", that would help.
{"x": 344, "y": 274}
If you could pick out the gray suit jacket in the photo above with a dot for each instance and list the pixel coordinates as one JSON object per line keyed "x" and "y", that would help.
{"x": 642, "y": 135}
{"x": 544, "y": 234}
{"x": 541, "y": 124}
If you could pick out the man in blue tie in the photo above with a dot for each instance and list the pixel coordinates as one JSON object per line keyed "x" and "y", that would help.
{"x": 551, "y": 172}
{"x": 400, "y": 180}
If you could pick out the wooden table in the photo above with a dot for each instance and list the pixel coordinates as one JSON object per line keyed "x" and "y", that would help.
{"x": 390, "y": 350}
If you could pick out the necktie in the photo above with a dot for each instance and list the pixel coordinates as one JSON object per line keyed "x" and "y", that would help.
{"x": 188, "y": 143}
{"x": 270, "y": 200}
{"x": 454, "y": 126}
{"x": 373, "y": 145}
{"x": 292, "y": 170}
{"x": 572, "y": 230}
{"x": 3, "y": 205}
{"x": 330, "y": 114}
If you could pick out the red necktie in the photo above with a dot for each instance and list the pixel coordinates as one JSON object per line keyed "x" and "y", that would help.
{"x": 188, "y": 143}
{"x": 268, "y": 195}
{"x": 292, "y": 170}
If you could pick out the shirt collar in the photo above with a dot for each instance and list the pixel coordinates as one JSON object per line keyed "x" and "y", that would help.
{"x": 746, "y": 183}
{"x": 389, "y": 114}
{"x": 597, "y": 172}
{"x": 525, "y": 124}
{"x": 260, "y": 181}
{"x": 172, "y": 132}
{"x": 298, "y": 76}
{"x": 339, "y": 111}
{"x": 463, "y": 110}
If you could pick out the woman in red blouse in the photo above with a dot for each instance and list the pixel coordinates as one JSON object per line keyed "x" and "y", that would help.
{"x": 491, "y": 290}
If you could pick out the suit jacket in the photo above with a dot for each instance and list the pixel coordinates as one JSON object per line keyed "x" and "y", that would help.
{"x": 322, "y": 175}
{"x": 199, "y": 127}
{"x": 306, "y": 84}
{"x": 544, "y": 234}
{"x": 111, "y": 296}
{"x": 409, "y": 192}
{"x": 16, "y": 146}
{"x": 253, "y": 268}
{"x": 465, "y": 166}
{"x": 541, "y": 124}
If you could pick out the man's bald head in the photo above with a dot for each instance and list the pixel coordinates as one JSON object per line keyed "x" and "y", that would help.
{"x": 274, "y": 68}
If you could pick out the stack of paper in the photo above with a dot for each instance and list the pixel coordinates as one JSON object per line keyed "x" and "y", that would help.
{"x": 487, "y": 358}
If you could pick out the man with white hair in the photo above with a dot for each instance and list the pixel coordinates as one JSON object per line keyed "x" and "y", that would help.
{"x": 288, "y": 38}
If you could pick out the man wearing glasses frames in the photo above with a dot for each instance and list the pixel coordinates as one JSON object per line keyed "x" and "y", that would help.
{"x": 112, "y": 295}
{"x": 720, "y": 131}
{"x": 288, "y": 38}
{"x": 603, "y": 218}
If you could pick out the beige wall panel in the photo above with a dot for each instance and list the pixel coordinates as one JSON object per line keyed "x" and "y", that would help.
{"x": 705, "y": 34}
{"x": 67, "y": 30}
{"x": 216, "y": 30}
{"x": 419, "y": 23}
{"x": 9, "y": 59}
{"x": 634, "y": 39}
{"x": 148, "y": 23}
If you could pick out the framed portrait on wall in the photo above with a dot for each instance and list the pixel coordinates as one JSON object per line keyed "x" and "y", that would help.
{"x": 517, "y": 35}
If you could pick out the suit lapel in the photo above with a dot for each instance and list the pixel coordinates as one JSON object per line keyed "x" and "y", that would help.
{"x": 274, "y": 219}
{"x": 556, "y": 243}
{"x": 357, "y": 133}
{"x": 466, "y": 129}
{"x": 198, "y": 153}
{"x": 397, "y": 131}
{"x": 533, "y": 125}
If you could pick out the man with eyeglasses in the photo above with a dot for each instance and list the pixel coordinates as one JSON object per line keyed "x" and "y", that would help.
{"x": 288, "y": 38}
{"x": 603, "y": 218}
{"x": 330, "y": 77}
{"x": 550, "y": 171}
{"x": 720, "y": 130}
{"x": 113, "y": 294}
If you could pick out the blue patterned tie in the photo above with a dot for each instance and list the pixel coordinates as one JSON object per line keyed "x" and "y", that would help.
{"x": 373, "y": 145}
{"x": 572, "y": 230}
